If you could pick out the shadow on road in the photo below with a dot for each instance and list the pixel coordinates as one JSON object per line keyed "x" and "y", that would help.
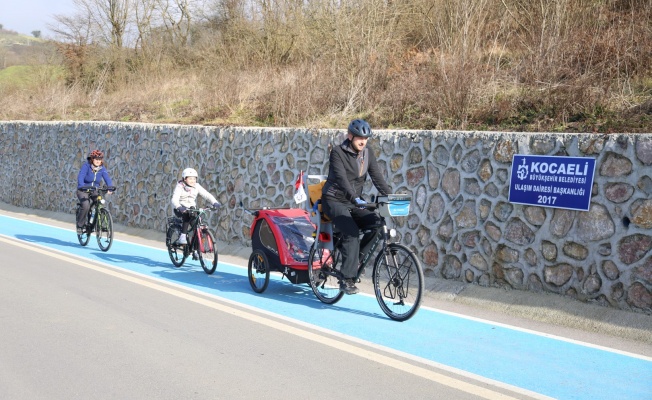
{"x": 277, "y": 291}
{"x": 47, "y": 240}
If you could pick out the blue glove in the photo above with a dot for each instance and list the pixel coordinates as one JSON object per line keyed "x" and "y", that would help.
{"x": 217, "y": 206}
{"x": 360, "y": 202}
{"x": 182, "y": 209}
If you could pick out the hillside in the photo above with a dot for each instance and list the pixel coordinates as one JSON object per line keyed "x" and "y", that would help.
{"x": 8, "y": 38}
{"x": 510, "y": 65}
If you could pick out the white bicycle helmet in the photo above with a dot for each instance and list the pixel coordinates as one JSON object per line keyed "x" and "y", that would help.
{"x": 189, "y": 172}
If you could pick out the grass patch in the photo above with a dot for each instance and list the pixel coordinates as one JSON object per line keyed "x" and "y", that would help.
{"x": 28, "y": 76}
{"x": 17, "y": 75}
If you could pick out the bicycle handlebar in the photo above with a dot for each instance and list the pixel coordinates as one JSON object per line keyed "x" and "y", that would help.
{"x": 200, "y": 210}
{"x": 374, "y": 203}
{"x": 370, "y": 206}
{"x": 91, "y": 189}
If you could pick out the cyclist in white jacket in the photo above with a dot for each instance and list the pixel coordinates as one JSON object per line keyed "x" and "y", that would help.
{"x": 185, "y": 196}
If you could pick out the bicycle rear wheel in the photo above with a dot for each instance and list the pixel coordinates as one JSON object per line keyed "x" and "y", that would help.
{"x": 85, "y": 236}
{"x": 398, "y": 282}
{"x": 104, "y": 229}
{"x": 322, "y": 265}
{"x": 258, "y": 271}
{"x": 207, "y": 252}
{"x": 175, "y": 251}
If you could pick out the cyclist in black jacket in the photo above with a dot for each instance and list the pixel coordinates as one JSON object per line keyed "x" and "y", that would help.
{"x": 342, "y": 197}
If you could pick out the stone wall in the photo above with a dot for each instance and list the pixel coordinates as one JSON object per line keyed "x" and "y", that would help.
{"x": 461, "y": 226}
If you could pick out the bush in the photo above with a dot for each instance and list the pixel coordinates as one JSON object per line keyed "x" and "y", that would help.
{"x": 423, "y": 64}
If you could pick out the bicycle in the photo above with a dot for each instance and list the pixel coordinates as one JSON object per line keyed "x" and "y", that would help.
{"x": 201, "y": 241}
{"x": 397, "y": 275}
{"x": 99, "y": 218}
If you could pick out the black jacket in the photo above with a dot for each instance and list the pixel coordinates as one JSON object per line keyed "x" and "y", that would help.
{"x": 348, "y": 171}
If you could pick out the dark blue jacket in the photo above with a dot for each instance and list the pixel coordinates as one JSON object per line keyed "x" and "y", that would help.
{"x": 87, "y": 177}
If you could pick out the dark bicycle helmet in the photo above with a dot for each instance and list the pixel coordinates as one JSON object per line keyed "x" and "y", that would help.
{"x": 95, "y": 154}
{"x": 361, "y": 128}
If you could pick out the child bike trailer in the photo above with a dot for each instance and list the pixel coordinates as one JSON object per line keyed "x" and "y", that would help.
{"x": 281, "y": 240}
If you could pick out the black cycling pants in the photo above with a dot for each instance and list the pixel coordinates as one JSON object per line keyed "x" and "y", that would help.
{"x": 185, "y": 217}
{"x": 85, "y": 201}
{"x": 349, "y": 220}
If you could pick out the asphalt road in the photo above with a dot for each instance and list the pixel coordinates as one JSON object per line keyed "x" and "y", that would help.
{"x": 74, "y": 332}
{"x": 78, "y": 323}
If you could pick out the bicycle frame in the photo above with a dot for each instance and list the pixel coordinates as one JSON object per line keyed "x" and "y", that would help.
{"x": 397, "y": 276}
{"x": 98, "y": 218}
{"x": 96, "y": 199}
{"x": 200, "y": 242}
{"x": 96, "y": 205}
{"x": 382, "y": 236}
{"x": 198, "y": 235}
{"x": 196, "y": 227}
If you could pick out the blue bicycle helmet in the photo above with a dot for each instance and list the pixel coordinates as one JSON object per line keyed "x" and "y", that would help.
{"x": 360, "y": 128}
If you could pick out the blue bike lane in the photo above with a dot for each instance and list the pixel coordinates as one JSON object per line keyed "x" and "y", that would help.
{"x": 539, "y": 363}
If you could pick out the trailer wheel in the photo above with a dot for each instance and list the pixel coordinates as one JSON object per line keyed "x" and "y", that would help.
{"x": 258, "y": 271}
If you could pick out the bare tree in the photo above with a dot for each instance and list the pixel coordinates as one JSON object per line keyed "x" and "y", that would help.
{"x": 111, "y": 16}
{"x": 95, "y": 21}
{"x": 145, "y": 16}
{"x": 177, "y": 18}
{"x": 75, "y": 29}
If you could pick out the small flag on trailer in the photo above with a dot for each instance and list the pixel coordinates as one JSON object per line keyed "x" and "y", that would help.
{"x": 300, "y": 193}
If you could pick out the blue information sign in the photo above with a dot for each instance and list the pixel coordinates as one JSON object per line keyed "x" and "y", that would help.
{"x": 551, "y": 181}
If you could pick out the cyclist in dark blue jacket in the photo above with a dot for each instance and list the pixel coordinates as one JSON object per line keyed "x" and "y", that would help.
{"x": 350, "y": 163}
{"x": 92, "y": 173}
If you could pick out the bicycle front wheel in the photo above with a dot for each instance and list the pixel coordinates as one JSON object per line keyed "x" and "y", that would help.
{"x": 398, "y": 282}
{"x": 175, "y": 251}
{"x": 206, "y": 251}
{"x": 85, "y": 236}
{"x": 323, "y": 265}
{"x": 104, "y": 229}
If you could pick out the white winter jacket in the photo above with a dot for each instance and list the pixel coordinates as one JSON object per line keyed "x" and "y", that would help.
{"x": 186, "y": 196}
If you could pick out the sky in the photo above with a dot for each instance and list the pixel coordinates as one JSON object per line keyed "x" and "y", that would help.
{"x": 25, "y": 16}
